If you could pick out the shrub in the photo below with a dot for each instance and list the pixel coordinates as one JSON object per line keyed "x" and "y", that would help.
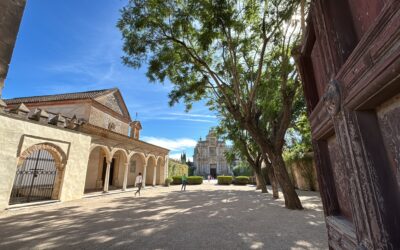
{"x": 242, "y": 180}
{"x": 168, "y": 181}
{"x": 194, "y": 180}
{"x": 224, "y": 180}
{"x": 252, "y": 180}
{"x": 176, "y": 180}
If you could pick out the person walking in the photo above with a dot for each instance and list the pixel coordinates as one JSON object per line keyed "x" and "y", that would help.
{"x": 184, "y": 182}
{"x": 138, "y": 183}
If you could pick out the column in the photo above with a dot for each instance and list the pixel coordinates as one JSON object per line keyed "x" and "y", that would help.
{"x": 144, "y": 175}
{"x": 166, "y": 174}
{"x": 125, "y": 176}
{"x": 154, "y": 175}
{"x": 107, "y": 179}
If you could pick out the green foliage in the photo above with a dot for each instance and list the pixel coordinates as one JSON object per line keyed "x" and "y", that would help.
{"x": 168, "y": 181}
{"x": 176, "y": 168}
{"x": 242, "y": 180}
{"x": 298, "y": 143}
{"x": 298, "y": 149}
{"x": 242, "y": 169}
{"x": 183, "y": 158}
{"x": 234, "y": 54}
{"x": 176, "y": 180}
{"x": 215, "y": 49}
{"x": 194, "y": 180}
{"x": 192, "y": 168}
{"x": 224, "y": 180}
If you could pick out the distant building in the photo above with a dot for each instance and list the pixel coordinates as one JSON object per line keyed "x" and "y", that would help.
{"x": 209, "y": 156}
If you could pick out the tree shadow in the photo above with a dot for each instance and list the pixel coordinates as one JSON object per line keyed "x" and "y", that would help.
{"x": 201, "y": 219}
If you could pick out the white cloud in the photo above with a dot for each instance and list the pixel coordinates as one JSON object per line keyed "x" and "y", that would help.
{"x": 171, "y": 144}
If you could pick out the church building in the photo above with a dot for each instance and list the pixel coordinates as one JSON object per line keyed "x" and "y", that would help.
{"x": 209, "y": 156}
{"x": 59, "y": 147}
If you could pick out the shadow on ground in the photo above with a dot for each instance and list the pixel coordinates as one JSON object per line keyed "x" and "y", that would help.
{"x": 198, "y": 219}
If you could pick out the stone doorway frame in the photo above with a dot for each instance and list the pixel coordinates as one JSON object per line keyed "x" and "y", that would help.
{"x": 60, "y": 159}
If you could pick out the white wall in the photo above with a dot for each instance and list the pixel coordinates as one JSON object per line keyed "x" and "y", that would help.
{"x": 17, "y": 135}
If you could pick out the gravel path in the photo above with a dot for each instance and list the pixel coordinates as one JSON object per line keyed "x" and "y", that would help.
{"x": 204, "y": 217}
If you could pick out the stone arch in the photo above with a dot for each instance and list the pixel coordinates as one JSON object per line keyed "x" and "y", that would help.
{"x": 60, "y": 159}
{"x": 58, "y": 154}
{"x": 96, "y": 166}
{"x": 151, "y": 169}
{"x": 119, "y": 158}
{"x": 105, "y": 149}
{"x": 137, "y": 163}
{"x": 116, "y": 150}
{"x": 151, "y": 156}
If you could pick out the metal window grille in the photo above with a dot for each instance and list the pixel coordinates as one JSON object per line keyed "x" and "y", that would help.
{"x": 34, "y": 180}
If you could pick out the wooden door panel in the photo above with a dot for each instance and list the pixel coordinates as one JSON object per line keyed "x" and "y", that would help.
{"x": 340, "y": 177}
{"x": 389, "y": 124}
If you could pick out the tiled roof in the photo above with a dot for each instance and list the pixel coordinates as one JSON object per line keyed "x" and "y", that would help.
{"x": 61, "y": 97}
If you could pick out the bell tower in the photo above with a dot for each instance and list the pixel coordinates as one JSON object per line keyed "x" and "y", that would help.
{"x": 136, "y": 126}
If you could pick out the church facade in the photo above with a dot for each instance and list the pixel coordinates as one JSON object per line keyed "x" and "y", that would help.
{"x": 59, "y": 147}
{"x": 209, "y": 156}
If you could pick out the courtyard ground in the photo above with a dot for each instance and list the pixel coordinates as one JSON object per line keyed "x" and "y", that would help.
{"x": 204, "y": 217}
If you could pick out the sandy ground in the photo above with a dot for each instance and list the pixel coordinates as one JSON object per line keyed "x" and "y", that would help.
{"x": 204, "y": 217}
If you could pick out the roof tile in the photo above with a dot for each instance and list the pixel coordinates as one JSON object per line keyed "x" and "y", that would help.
{"x": 60, "y": 97}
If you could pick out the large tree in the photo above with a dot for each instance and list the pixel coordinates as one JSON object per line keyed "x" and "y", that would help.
{"x": 236, "y": 53}
{"x": 245, "y": 147}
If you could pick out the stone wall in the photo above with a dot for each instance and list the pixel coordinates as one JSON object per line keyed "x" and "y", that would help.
{"x": 111, "y": 102}
{"x": 17, "y": 135}
{"x": 80, "y": 110}
{"x": 102, "y": 119}
{"x": 95, "y": 161}
{"x": 304, "y": 175}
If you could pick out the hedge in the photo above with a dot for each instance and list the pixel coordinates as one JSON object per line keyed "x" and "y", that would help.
{"x": 176, "y": 180}
{"x": 224, "y": 180}
{"x": 195, "y": 180}
{"x": 242, "y": 180}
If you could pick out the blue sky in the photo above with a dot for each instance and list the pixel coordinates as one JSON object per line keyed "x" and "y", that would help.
{"x": 74, "y": 45}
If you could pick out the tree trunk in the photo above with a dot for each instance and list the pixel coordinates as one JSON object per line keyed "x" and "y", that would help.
{"x": 258, "y": 186}
{"x": 292, "y": 200}
{"x": 274, "y": 183}
{"x": 261, "y": 181}
{"x": 264, "y": 172}
{"x": 302, "y": 18}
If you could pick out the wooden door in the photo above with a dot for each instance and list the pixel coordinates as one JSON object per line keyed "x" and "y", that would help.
{"x": 349, "y": 63}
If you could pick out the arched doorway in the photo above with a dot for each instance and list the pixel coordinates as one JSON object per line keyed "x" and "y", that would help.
{"x": 39, "y": 174}
{"x": 160, "y": 171}
{"x": 117, "y": 169}
{"x": 150, "y": 170}
{"x": 136, "y": 166}
{"x": 97, "y": 164}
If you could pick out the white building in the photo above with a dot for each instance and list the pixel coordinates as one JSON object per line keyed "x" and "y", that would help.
{"x": 209, "y": 156}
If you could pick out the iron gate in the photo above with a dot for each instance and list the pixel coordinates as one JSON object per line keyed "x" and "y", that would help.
{"x": 34, "y": 180}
